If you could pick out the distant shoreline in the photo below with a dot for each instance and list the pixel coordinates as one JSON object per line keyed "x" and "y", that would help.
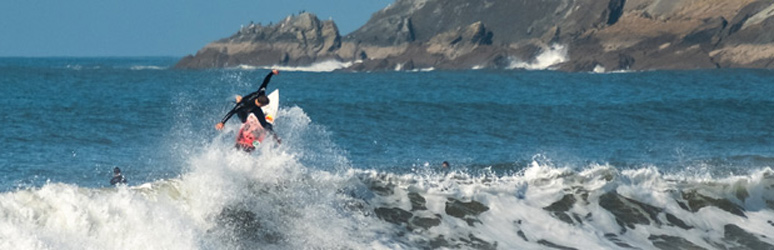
{"x": 574, "y": 36}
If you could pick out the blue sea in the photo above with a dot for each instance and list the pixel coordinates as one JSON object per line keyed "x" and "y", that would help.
{"x": 538, "y": 159}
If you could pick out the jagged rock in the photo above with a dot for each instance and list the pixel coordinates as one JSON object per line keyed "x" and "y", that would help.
{"x": 749, "y": 42}
{"x": 667, "y": 242}
{"x": 614, "y": 238}
{"x": 563, "y": 205}
{"x": 393, "y": 215}
{"x": 297, "y": 40}
{"x": 697, "y": 201}
{"x": 331, "y": 38}
{"x": 425, "y": 223}
{"x": 560, "y": 208}
{"x": 459, "y": 41}
{"x": 417, "y": 201}
{"x": 735, "y": 234}
{"x": 474, "y": 242}
{"x": 391, "y": 31}
{"x": 677, "y": 222}
{"x": 554, "y": 245}
{"x": 463, "y": 34}
{"x": 627, "y": 211}
{"x": 462, "y": 209}
{"x": 514, "y": 20}
{"x": 467, "y": 211}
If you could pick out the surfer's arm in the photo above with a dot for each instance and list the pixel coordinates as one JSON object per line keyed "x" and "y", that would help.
{"x": 228, "y": 116}
{"x": 266, "y": 80}
{"x": 262, "y": 119}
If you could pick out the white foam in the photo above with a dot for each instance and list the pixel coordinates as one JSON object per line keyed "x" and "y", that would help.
{"x": 598, "y": 69}
{"x": 306, "y": 206}
{"x": 325, "y": 66}
{"x": 79, "y": 67}
{"x": 60, "y": 216}
{"x": 297, "y": 202}
{"x": 422, "y": 70}
{"x": 516, "y": 204}
{"x": 306, "y": 191}
{"x": 147, "y": 67}
{"x": 551, "y": 56}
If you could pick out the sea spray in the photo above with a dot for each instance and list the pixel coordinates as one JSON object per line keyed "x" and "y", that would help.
{"x": 230, "y": 199}
{"x": 549, "y": 57}
{"x": 645, "y": 160}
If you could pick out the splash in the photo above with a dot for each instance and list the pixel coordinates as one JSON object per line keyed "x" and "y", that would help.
{"x": 422, "y": 70}
{"x": 226, "y": 199}
{"x": 325, "y": 66}
{"x": 599, "y": 69}
{"x": 304, "y": 193}
{"x": 232, "y": 200}
{"x": 550, "y": 57}
{"x": 596, "y": 208}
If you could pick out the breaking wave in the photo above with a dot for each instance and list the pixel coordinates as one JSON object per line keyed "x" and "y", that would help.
{"x": 78, "y": 67}
{"x": 304, "y": 193}
{"x": 550, "y": 56}
{"x": 147, "y": 67}
{"x": 325, "y": 66}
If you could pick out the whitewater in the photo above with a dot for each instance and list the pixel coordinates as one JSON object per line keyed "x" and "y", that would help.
{"x": 539, "y": 159}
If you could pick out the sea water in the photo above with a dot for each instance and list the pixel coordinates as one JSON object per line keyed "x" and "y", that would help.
{"x": 539, "y": 159}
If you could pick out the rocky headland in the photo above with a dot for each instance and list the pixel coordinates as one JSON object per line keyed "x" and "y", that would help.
{"x": 570, "y": 35}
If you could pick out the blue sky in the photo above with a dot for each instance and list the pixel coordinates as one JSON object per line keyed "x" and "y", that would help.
{"x": 36, "y": 28}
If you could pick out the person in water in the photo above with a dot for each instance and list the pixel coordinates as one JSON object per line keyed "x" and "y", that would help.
{"x": 118, "y": 178}
{"x": 251, "y": 104}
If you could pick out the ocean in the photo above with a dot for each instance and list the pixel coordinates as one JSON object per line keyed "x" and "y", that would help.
{"x": 539, "y": 159}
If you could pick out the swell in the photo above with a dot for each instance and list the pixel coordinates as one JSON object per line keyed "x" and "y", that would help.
{"x": 234, "y": 201}
{"x": 559, "y": 208}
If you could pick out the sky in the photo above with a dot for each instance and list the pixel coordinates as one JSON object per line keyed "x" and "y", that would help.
{"x": 102, "y": 28}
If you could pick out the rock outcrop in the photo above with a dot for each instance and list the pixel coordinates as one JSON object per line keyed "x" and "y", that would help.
{"x": 678, "y": 34}
{"x": 464, "y": 34}
{"x": 297, "y": 40}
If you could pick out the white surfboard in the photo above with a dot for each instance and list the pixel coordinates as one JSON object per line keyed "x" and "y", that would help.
{"x": 271, "y": 110}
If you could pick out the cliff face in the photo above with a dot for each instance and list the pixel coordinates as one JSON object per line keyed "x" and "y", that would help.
{"x": 679, "y": 34}
{"x": 298, "y": 40}
{"x": 463, "y": 34}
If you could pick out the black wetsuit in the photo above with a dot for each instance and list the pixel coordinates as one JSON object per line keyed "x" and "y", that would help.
{"x": 247, "y": 106}
{"x": 118, "y": 179}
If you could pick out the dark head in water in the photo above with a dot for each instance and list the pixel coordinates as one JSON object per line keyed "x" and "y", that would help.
{"x": 118, "y": 178}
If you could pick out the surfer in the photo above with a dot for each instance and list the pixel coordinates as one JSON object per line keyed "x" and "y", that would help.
{"x": 445, "y": 169}
{"x": 251, "y": 104}
{"x": 118, "y": 178}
